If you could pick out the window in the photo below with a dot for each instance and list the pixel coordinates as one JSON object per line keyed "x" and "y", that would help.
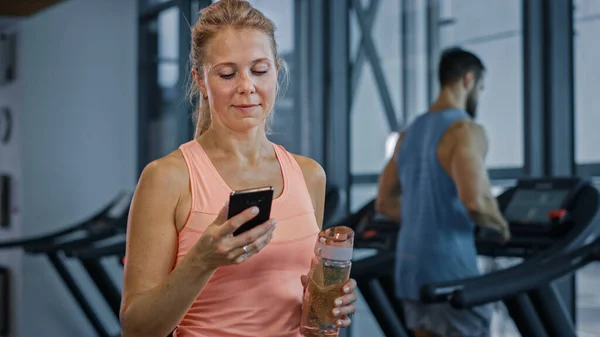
{"x": 586, "y": 78}
{"x": 493, "y": 30}
{"x": 163, "y": 127}
{"x": 586, "y": 23}
{"x": 388, "y": 84}
{"x": 281, "y": 12}
{"x": 168, "y": 47}
{"x": 165, "y": 120}
{"x": 373, "y": 73}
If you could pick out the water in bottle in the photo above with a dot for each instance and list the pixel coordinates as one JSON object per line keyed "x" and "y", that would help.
{"x": 329, "y": 271}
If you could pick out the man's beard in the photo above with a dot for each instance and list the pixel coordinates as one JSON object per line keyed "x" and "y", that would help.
{"x": 471, "y": 105}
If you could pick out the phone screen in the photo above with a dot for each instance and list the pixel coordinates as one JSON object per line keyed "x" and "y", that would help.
{"x": 239, "y": 201}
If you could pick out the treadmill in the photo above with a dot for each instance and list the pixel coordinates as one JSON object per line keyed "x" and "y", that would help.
{"x": 373, "y": 266}
{"x": 106, "y": 223}
{"x": 94, "y": 268}
{"x": 91, "y": 253}
{"x": 550, "y": 221}
{"x": 533, "y": 280}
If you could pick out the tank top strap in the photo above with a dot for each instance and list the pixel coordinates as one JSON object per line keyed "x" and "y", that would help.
{"x": 208, "y": 192}
{"x": 288, "y": 163}
{"x": 293, "y": 176}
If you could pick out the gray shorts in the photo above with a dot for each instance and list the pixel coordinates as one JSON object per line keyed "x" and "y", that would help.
{"x": 446, "y": 321}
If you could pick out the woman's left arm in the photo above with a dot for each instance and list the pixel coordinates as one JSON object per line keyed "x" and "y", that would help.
{"x": 315, "y": 179}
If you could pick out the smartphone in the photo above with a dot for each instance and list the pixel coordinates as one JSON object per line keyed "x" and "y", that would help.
{"x": 241, "y": 200}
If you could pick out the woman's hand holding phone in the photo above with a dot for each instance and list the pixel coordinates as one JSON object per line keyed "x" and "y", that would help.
{"x": 219, "y": 247}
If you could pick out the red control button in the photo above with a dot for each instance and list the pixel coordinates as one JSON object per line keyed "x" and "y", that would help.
{"x": 557, "y": 214}
{"x": 369, "y": 233}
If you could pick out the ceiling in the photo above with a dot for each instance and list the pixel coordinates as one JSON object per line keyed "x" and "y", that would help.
{"x": 23, "y": 8}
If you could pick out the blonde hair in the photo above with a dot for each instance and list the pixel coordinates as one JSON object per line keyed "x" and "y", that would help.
{"x": 225, "y": 13}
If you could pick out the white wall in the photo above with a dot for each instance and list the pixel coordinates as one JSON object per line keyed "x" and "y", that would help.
{"x": 78, "y": 77}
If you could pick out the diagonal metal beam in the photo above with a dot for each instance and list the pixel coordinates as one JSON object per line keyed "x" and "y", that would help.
{"x": 371, "y": 52}
{"x": 360, "y": 56}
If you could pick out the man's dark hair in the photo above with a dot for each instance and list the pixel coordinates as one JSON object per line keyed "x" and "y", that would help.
{"x": 456, "y": 63}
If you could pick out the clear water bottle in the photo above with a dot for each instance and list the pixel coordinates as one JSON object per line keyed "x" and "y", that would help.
{"x": 329, "y": 270}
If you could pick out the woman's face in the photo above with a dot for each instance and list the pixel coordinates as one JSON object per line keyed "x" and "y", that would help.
{"x": 240, "y": 78}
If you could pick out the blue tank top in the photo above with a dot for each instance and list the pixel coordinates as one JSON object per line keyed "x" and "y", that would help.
{"x": 436, "y": 237}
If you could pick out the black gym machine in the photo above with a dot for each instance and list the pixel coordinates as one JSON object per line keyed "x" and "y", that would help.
{"x": 551, "y": 221}
{"x": 108, "y": 223}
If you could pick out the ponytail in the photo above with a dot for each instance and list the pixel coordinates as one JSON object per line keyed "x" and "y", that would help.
{"x": 202, "y": 115}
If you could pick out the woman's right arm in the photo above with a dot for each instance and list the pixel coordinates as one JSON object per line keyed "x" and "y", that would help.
{"x": 156, "y": 296}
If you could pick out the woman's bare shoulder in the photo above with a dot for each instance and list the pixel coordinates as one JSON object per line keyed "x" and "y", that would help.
{"x": 168, "y": 173}
{"x": 314, "y": 174}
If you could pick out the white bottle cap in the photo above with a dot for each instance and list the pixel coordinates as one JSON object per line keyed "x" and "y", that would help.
{"x": 332, "y": 252}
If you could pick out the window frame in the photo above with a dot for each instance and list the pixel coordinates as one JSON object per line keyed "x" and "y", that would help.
{"x": 587, "y": 170}
{"x": 147, "y": 14}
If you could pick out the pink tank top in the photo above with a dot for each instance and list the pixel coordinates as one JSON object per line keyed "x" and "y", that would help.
{"x": 263, "y": 295}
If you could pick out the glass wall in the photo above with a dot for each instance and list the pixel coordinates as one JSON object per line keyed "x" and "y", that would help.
{"x": 586, "y": 18}
{"x": 163, "y": 88}
{"x": 493, "y": 30}
{"x": 399, "y": 75}
{"x": 375, "y": 89}
{"x": 375, "y": 79}
{"x": 586, "y": 24}
{"x": 388, "y": 84}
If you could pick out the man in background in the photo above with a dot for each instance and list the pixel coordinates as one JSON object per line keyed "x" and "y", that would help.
{"x": 436, "y": 185}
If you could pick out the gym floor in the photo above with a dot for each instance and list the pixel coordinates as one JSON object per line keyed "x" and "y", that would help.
{"x": 588, "y": 304}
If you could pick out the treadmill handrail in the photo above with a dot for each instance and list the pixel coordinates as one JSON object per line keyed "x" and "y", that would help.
{"x": 533, "y": 276}
{"x": 373, "y": 266}
{"x": 440, "y": 292}
{"x": 80, "y": 242}
{"x": 49, "y": 237}
{"x": 87, "y": 253}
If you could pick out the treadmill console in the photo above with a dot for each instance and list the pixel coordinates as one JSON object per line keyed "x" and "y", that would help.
{"x": 533, "y": 207}
{"x": 541, "y": 206}
{"x": 540, "y": 211}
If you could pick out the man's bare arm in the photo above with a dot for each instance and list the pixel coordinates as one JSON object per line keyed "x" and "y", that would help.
{"x": 467, "y": 168}
{"x": 389, "y": 190}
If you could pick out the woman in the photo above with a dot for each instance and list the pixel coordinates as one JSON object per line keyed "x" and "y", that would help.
{"x": 185, "y": 270}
